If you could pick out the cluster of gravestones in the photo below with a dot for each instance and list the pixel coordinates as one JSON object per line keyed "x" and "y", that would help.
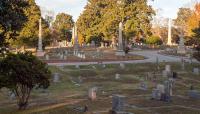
{"x": 163, "y": 91}
{"x": 79, "y": 54}
{"x": 61, "y": 55}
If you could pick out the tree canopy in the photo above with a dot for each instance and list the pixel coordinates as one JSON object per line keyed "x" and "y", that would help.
{"x": 28, "y": 36}
{"x": 12, "y": 19}
{"x": 63, "y": 26}
{"x": 101, "y": 18}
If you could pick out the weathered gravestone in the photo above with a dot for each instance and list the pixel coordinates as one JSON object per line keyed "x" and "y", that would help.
{"x": 12, "y": 95}
{"x": 167, "y": 71}
{"x": 118, "y": 103}
{"x": 194, "y": 94}
{"x": 156, "y": 94}
{"x": 47, "y": 57}
{"x": 92, "y": 93}
{"x": 196, "y": 71}
{"x": 122, "y": 65}
{"x": 182, "y": 64}
{"x": 117, "y": 76}
{"x": 56, "y": 77}
{"x": 77, "y": 66}
{"x": 143, "y": 86}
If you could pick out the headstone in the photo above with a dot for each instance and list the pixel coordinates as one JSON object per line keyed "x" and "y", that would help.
{"x": 143, "y": 86}
{"x": 161, "y": 88}
{"x": 122, "y": 65}
{"x": 167, "y": 71}
{"x": 157, "y": 63}
{"x": 156, "y": 94}
{"x": 194, "y": 94}
{"x": 93, "y": 44}
{"x": 196, "y": 71}
{"x": 181, "y": 46}
{"x": 117, "y": 76}
{"x": 12, "y": 95}
{"x": 61, "y": 56}
{"x": 103, "y": 66}
{"x": 94, "y": 67}
{"x": 47, "y": 57}
{"x": 118, "y": 103}
{"x": 77, "y": 66}
{"x": 92, "y": 93}
{"x": 56, "y": 78}
{"x": 174, "y": 75}
{"x": 168, "y": 68}
{"x": 182, "y": 64}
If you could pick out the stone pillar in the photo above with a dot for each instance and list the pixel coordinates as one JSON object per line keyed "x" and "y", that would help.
{"x": 120, "y": 51}
{"x": 40, "y": 50}
{"x": 75, "y": 35}
{"x": 181, "y": 46}
{"x": 169, "y": 41}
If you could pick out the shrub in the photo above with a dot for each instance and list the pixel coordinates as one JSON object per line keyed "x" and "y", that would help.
{"x": 20, "y": 73}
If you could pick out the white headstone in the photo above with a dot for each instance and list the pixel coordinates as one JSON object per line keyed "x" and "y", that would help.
{"x": 122, "y": 65}
{"x": 117, "y": 76}
{"x": 56, "y": 78}
{"x": 196, "y": 71}
{"x": 47, "y": 57}
{"x": 161, "y": 88}
{"x": 92, "y": 93}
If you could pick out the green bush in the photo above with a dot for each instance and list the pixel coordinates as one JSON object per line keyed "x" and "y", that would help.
{"x": 154, "y": 40}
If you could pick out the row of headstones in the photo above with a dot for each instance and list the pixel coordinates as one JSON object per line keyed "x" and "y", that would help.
{"x": 168, "y": 71}
{"x": 163, "y": 91}
{"x": 79, "y": 54}
{"x": 118, "y": 101}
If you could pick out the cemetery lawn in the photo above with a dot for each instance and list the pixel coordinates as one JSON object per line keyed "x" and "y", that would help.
{"x": 72, "y": 91}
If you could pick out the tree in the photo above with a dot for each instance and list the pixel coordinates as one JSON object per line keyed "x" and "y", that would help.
{"x": 63, "y": 26}
{"x": 12, "y": 19}
{"x": 28, "y": 36}
{"x": 102, "y": 17}
{"x": 21, "y": 73}
{"x": 193, "y": 21}
{"x": 181, "y": 21}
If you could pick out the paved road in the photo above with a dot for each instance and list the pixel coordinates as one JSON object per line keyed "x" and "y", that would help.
{"x": 150, "y": 55}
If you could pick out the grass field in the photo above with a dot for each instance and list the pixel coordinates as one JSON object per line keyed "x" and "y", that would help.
{"x": 64, "y": 96}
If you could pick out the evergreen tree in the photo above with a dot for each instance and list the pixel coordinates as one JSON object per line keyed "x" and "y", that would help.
{"x": 102, "y": 17}
{"x": 63, "y": 26}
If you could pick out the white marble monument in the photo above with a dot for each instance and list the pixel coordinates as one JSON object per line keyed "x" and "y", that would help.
{"x": 120, "y": 51}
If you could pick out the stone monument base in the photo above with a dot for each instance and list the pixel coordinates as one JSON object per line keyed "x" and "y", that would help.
{"x": 120, "y": 53}
{"x": 181, "y": 50}
{"x": 40, "y": 53}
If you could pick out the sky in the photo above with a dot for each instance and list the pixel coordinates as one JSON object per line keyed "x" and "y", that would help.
{"x": 75, "y": 7}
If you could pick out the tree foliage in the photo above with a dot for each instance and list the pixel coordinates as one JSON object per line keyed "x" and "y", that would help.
{"x": 28, "y": 36}
{"x": 193, "y": 21}
{"x": 12, "y": 19}
{"x": 63, "y": 26}
{"x": 155, "y": 40}
{"x": 21, "y": 73}
{"x": 102, "y": 17}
